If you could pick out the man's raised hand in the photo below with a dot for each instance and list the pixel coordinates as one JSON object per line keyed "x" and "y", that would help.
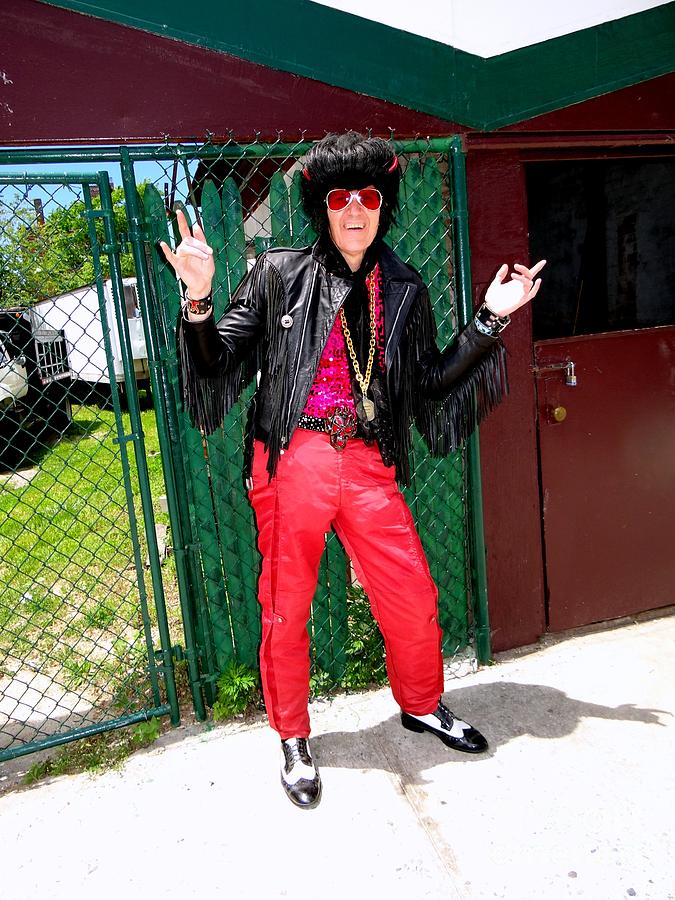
{"x": 503, "y": 297}
{"x": 193, "y": 259}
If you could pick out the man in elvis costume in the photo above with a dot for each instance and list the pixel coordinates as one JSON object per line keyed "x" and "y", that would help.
{"x": 343, "y": 336}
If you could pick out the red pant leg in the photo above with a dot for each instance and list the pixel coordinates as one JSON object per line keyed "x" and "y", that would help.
{"x": 378, "y": 532}
{"x": 293, "y": 513}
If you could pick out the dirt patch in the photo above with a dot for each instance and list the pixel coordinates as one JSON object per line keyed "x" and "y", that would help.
{"x": 34, "y": 706}
{"x": 18, "y": 479}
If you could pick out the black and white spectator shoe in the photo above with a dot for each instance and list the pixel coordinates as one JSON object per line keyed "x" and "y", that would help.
{"x": 445, "y": 725}
{"x": 299, "y": 775}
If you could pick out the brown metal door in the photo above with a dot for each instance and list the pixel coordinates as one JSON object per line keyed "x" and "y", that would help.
{"x": 607, "y": 458}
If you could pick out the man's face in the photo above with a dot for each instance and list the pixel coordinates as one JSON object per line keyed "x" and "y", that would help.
{"x": 353, "y": 230}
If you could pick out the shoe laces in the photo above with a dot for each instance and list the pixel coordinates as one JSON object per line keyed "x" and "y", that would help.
{"x": 296, "y": 750}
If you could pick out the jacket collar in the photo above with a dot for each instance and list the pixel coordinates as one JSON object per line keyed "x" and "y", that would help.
{"x": 394, "y": 269}
{"x": 401, "y": 284}
{"x": 325, "y": 251}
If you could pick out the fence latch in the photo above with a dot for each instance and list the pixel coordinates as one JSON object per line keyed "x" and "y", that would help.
{"x": 568, "y": 367}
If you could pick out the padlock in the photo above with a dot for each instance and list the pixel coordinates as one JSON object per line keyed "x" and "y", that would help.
{"x": 570, "y": 377}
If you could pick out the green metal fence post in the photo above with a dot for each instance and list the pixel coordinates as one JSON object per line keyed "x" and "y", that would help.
{"x": 110, "y": 248}
{"x": 181, "y": 451}
{"x": 136, "y": 238}
{"x": 141, "y": 460}
{"x": 462, "y": 254}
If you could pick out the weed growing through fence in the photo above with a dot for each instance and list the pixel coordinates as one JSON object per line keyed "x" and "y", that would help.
{"x": 238, "y": 689}
{"x": 365, "y": 647}
{"x": 364, "y": 653}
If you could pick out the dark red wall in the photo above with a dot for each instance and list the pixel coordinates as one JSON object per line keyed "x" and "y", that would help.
{"x": 498, "y": 234}
{"x": 70, "y": 77}
{"x": 635, "y": 121}
{"x": 645, "y": 107}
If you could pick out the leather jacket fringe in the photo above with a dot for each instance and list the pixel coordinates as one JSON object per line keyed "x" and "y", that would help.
{"x": 278, "y": 323}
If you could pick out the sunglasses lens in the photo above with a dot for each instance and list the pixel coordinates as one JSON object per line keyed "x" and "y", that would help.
{"x": 337, "y": 199}
{"x": 370, "y": 198}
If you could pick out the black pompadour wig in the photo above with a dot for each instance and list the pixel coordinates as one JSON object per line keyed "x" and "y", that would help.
{"x": 351, "y": 161}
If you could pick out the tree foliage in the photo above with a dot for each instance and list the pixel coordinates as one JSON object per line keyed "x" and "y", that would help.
{"x": 41, "y": 260}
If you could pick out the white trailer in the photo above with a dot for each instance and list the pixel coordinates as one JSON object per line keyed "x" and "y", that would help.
{"x": 77, "y": 314}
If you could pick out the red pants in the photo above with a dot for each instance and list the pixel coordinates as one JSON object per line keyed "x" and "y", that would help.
{"x": 316, "y": 487}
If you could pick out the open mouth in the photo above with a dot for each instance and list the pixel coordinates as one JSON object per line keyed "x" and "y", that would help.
{"x": 355, "y": 227}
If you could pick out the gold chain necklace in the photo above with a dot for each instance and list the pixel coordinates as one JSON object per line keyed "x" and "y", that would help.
{"x": 363, "y": 380}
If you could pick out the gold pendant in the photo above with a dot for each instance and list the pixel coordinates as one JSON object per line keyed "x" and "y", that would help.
{"x": 368, "y": 408}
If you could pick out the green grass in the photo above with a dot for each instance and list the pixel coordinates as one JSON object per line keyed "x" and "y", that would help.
{"x": 69, "y": 596}
{"x": 238, "y": 689}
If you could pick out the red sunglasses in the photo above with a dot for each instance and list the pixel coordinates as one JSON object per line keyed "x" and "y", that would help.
{"x": 369, "y": 198}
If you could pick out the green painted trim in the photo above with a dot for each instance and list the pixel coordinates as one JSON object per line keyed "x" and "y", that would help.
{"x": 427, "y": 76}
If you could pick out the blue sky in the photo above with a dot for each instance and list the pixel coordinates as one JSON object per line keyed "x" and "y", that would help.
{"x": 51, "y": 194}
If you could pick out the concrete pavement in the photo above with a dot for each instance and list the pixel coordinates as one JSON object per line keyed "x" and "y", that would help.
{"x": 574, "y": 799}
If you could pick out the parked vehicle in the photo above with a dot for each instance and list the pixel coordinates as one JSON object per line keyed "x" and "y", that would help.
{"x": 13, "y": 378}
{"x": 34, "y": 385}
{"x": 78, "y": 314}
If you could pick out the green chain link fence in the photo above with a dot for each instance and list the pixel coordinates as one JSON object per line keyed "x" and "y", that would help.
{"x": 88, "y": 650}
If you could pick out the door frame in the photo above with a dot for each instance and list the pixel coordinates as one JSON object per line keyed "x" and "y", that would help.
{"x": 498, "y": 225}
{"x": 619, "y": 147}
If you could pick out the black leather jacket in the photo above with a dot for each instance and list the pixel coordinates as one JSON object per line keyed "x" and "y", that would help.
{"x": 278, "y": 323}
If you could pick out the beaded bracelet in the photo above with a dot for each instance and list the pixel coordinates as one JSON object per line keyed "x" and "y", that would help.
{"x": 490, "y": 323}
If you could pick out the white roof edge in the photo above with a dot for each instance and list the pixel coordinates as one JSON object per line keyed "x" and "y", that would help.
{"x": 489, "y": 28}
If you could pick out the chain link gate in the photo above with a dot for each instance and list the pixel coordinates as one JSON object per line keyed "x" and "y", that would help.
{"x": 246, "y": 198}
{"x": 83, "y": 647}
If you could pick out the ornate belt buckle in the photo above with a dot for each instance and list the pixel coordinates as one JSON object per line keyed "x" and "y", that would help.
{"x": 340, "y": 425}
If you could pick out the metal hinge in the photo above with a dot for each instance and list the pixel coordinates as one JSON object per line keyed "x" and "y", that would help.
{"x": 177, "y": 653}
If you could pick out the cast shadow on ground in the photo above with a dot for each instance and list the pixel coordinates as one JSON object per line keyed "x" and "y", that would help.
{"x": 502, "y": 711}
